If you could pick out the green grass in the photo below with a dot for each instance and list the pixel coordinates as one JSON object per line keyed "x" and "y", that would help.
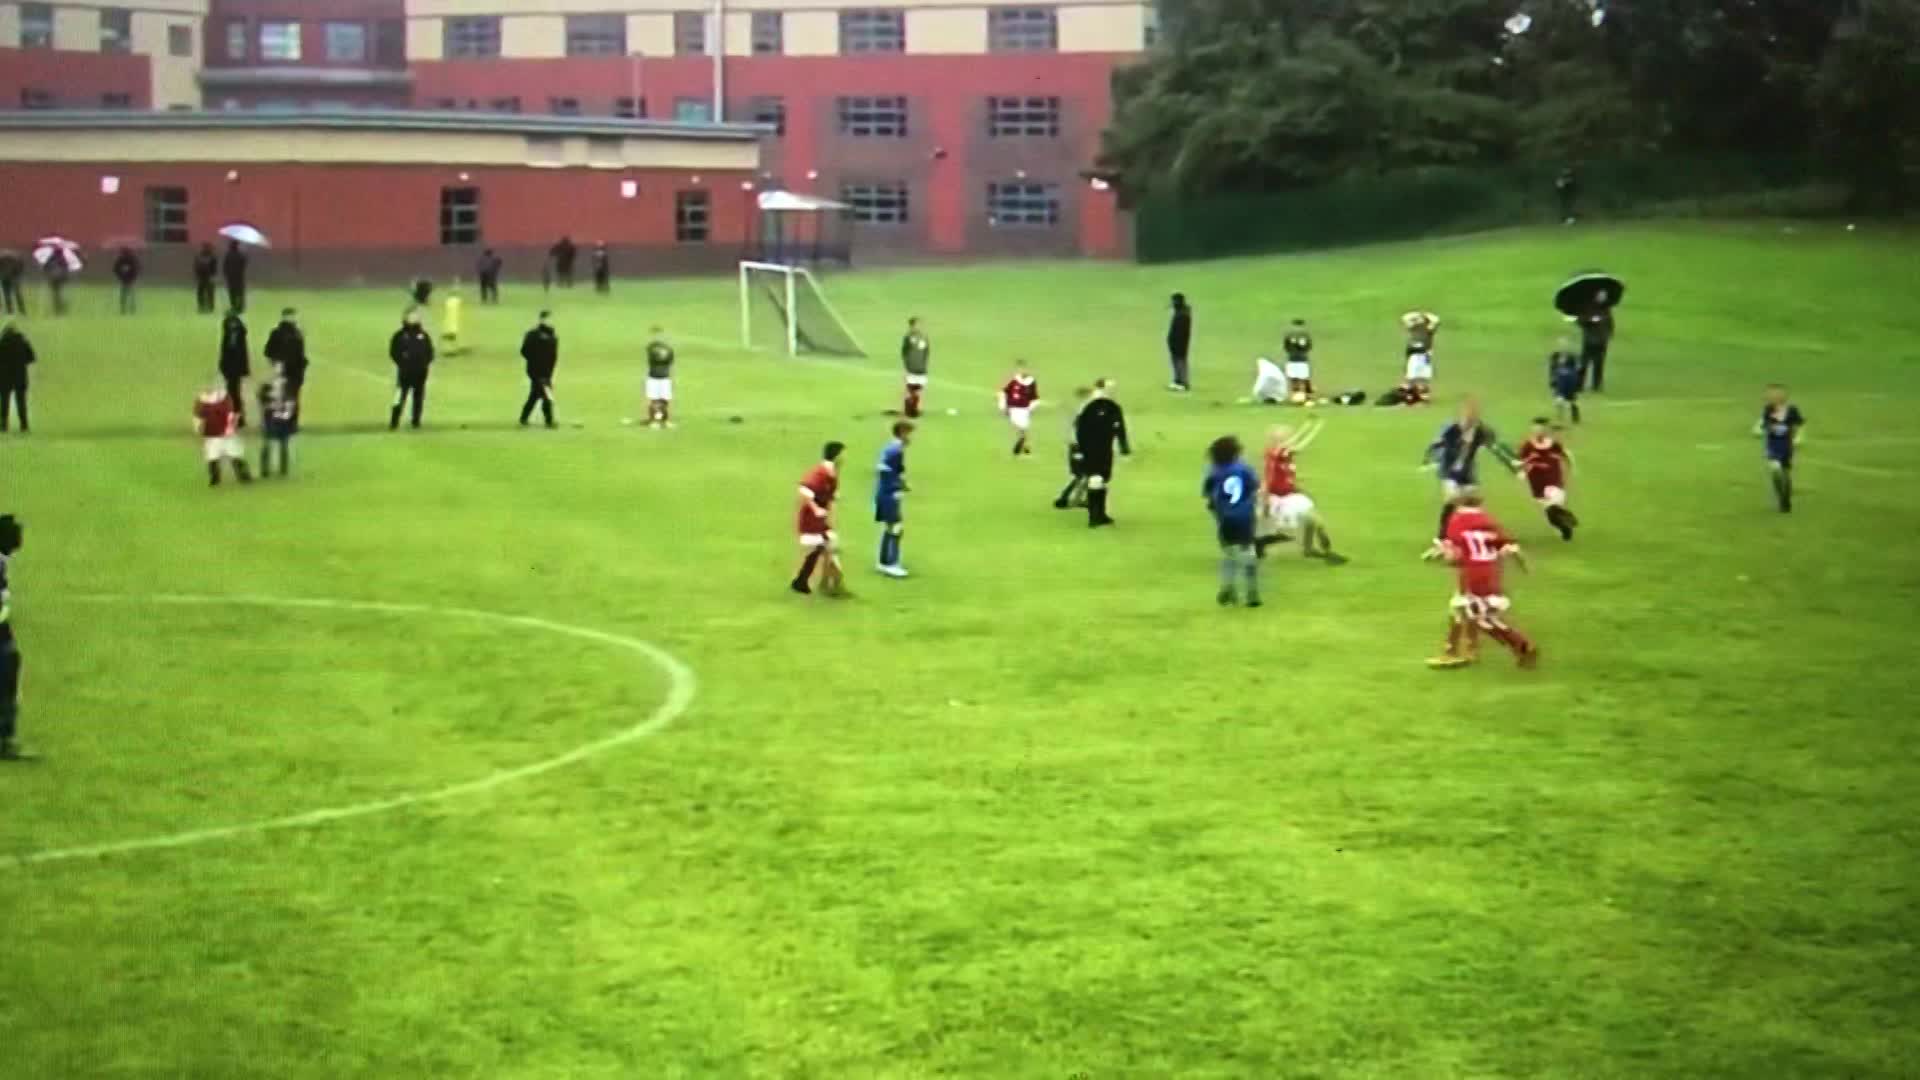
{"x": 1042, "y": 810}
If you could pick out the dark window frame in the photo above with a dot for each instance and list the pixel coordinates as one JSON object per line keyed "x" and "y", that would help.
{"x": 460, "y": 222}
{"x": 298, "y": 39}
{"x": 598, "y": 33}
{"x": 872, "y": 30}
{"x": 180, "y": 40}
{"x": 887, "y": 116}
{"x": 165, "y": 214}
{"x": 1023, "y": 117}
{"x": 769, "y": 109}
{"x": 1023, "y": 204}
{"x": 628, "y": 107}
{"x": 564, "y": 106}
{"x": 36, "y": 26}
{"x": 879, "y": 202}
{"x": 326, "y": 41}
{"x": 690, "y": 33}
{"x": 37, "y": 98}
{"x": 693, "y": 216}
{"x": 116, "y": 39}
{"x": 768, "y": 33}
{"x": 1034, "y": 28}
{"x": 470, "y": 37}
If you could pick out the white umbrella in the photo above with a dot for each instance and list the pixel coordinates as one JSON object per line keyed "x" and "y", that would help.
{"x": 1519, "y": 24}
{"x": 49, "y": 248}
{"x": 245, "y": 233}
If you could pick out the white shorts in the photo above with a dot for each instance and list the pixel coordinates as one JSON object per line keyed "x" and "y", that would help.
{"x": 225, "y": 446}
{"x": 1420, "y": 366}
{"x": 916, "y": 380}
{"x": 1021, "y": 418}
{"x": 1553, "y": 496}
{"x": 1451, "y": 489}
{"x": 1288, "y": 511}
{"x": 659, "y": 389}
{"x": 828, "y": 539}
{"x": 1480, "y": 608}
{"x": 1299, "y": 371}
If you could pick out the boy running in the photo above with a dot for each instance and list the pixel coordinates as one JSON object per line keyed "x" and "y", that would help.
{"x": 889, "y": 488}
{"x": 1455, "y": 456}
{"x": 1780, "y": 424}
{"x": 1564, "y": 378}
{"x": 1475, "y": 544}
{"x": 1546, "y": 465}
{"x": 815, "y": 524}
{"x": 217, "y": 423}
{"x": 1017, "y": 400}
{"x": 1230, "y": 490}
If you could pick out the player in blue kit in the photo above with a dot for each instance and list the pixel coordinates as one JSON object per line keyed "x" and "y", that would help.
{"x": 889, "y": 488}
{"x": 1780, "y": 424}
{"x": 1232, "y": 491}
{"x": 1455, "y": 456}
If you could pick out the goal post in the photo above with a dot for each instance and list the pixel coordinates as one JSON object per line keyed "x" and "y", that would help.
{"x": 784, "y": 307}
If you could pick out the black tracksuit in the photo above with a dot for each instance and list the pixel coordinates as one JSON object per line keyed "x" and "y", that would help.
{"x": 16, "y": 355}
{"x": 287, "y": 346}
{"x": 206, "y": 266}
{"x": 1179, "y": 336}
{"x": 563, "y": 255}
{"x": 1100, "y": 423}
{"x": 541, "y": 350}
{"x": 488, "y": 270}
{"x": 126, "y": 270}
{"x": 411, "y": 351}
{"x": 602, "y": 271}
{"x": 1596, "y": 333}
{"x": 11, "y": 299}
{"x": 235, "y": 363}
{"x": 234, "y": 266}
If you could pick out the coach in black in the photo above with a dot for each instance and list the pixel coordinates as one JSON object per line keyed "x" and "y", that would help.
{"x": 234, "y": 266}
{"x": 1179, "y": 337}
{"x": 205, "y": 265}
{"x": 541, "y": 350}
{"x": 488, "y": 269}
{"x": 1099, "y": 425}
{"x": 234, "y": 363}
{"x": 411, "y": 351}
{"x": 1596, "y": 334}
{"x": 126, "y": 270}
{"x": 16, "y": 355}
{"x": 287, "y": 347}
{"x": 11, "y": 535}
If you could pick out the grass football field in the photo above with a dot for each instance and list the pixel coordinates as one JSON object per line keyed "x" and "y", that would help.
{"x": 592, "y": 795}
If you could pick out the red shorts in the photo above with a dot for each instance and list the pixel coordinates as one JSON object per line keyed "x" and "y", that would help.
{"x": 1546, "y": 487}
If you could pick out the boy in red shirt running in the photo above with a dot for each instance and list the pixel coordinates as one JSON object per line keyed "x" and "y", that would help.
{"x": 216, "y": 420}
{"x": 1475, "y": 544}
{"x": 1017, "y": 400}
{"x": 1546, "y": 464}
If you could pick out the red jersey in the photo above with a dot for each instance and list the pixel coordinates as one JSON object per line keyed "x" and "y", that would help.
{"x": 1020, "y": 393}
{"x": 1475, "y": 543}
{"x": 817, "y": 489}
{"x": 1280, "y": 477}
{"x": 1545, "y": 462}
{"x": 216, "y": 417}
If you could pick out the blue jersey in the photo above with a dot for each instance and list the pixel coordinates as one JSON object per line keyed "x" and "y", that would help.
{"x": 1456, "y": 451}
{"x": 6, "y": 615}
{"x": 891, "y": 472}
{"x": 1563, "y": 374}
{"x": 1232, "y": 492}
{"x": 1779, "y": 427}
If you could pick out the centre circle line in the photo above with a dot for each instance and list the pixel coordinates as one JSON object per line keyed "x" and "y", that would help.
{"x": 682, "y": 685}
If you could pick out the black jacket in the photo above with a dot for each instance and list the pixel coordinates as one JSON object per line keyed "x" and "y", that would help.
{"x": 205, "y": 265}
{"x": 235, "y": 264}
{"x": 488, "y": 267}
{"x": 1101, "y": 421}
{"x": 411, "y": 351}
{"x": 541, "y": 350}
{"x": 234, "y": 363}
{"x": 127, "y": 268}
{"x": 1180, "y": 330}
{"x": 1596, "y": 327}
{"x": 287, "y": 346}
{"x": 15, "y": 356}
{"x": 563, "y": 254}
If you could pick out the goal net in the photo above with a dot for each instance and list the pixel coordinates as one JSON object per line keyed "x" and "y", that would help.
{"x": 783, "y": 307}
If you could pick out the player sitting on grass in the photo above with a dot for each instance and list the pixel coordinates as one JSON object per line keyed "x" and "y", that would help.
{"x": 1780, "y": 424}
{"x": 1269, "y": 383}
{"x": 217, "y": 423}
{"x": 1563, "y": 378}
{"x": 815, "y": 522}
{"x": 1017, "y": 400}
{"x": 1231, "y": 492}
{"x": 1546, "y": 464}
{"x": 1288, "y": 509}
{"x": 1475, "y": 544}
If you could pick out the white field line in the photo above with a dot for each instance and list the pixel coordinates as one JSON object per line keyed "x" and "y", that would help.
{"x": 682, "y": 685}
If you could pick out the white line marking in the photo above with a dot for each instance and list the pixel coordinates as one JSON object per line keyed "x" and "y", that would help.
{"x": 1863, "y": 470}
{"x": 682, "y": 685}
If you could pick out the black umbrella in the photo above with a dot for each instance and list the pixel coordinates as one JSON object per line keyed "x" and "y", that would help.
{"x": 1589, "y": 291}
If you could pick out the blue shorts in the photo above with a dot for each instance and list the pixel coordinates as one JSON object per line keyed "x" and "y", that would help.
{"x": 1781, "y": 455}
{"x": 886, "y": 509}
{"x": 1236, "y": 532}
{"x": 1567, "y": 391}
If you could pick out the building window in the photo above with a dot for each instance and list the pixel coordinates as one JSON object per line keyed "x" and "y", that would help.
{"x": 769, "y": 33}
{"x": 1150, "y": 25}
{"x": 179, "y": 40}
{"x": 459, "y": 215}
{"x": 876, "y": 204}
{"x": 769, "y": 110}
{"x": 1022, "y": 29}
{"x": 444, "y": 103}
{"x": 32, "y": 97}
{"x": 691, "y": 216}
{"x": 236, "y": 39}
{"x": 1016, "y": 116}
{"x": 390, "y": 42}
{"x": 504, "y": 105}
{"x": 692, "y": 110}
{"x": 116, "y": 30}
{"x": 166, "y": 215}
{"x": 871, "y": 30}
{"x": 881, "y": 117}
{"x": 1023, "y": 204}
{"x": 597, "y": 35}
{"x": 36, "y": 26}
{"x": 563, "y": 106}
{"x": 689, "y": 33}
{"x": 630, "y": 108}
{"x": 116, "y": 101}
{"x": 280, "y": 41}
{"x": 472, "y": 37}
{"x": 346, "y": 43}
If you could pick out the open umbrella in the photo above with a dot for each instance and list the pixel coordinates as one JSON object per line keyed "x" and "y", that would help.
{"x": 246, "y": 234}
{"x": 49, "y": 248}
{"x": 1588, "y": 291}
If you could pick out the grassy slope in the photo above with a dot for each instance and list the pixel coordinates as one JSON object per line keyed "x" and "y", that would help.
{"x": 1042, "y": 809}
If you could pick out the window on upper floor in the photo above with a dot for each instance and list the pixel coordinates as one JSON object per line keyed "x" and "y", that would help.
{"x": 116, "y": 30}
{"x": 768, "y": 110}
{"x": 769, "y": 33}
{"x": 597, "y": 35}
{"x": 873, "y": 30}
{"x": 504, "y": 105}
{"x": 563, "y": 106}
{"x": 1023, "y": 204}
{"x": 346, "y": 43}
{"x": 236, "y": 39}
{"x": 459, "y": 216}
{"x": 871, "y": 117}
{"x": 689, "y": 33}
{"x": 179, "y": 40}
{"x": 112, "y": 100}
{"x": 390, "y": 42}
{"x": 471, "y": 37}
{"x": 692, "y": 216}
{"x": 630, "y": 108}
{"x": 883, "y": 203}
{"x": 692, "y": 110}
{"x": 280, "y": 40}
{"x": 36, "y": 26}
{"x": 32, "y": 97}
{"x": 1023, "y": 29}
{"x": 166, "y": 215}
{"x": 1009, "y": 117}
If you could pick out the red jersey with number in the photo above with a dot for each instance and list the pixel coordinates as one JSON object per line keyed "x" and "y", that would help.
{"x": 1476, "y": 542}
{"x": 1545, "y": 462}
{"x": 1280, "y": 476}
{"x": 215, "y": 416}
{"x": 1021, "y": 393}
{"x": 817, "y": 489}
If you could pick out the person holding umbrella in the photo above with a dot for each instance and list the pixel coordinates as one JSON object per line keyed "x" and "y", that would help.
{"x": 126, "y": 270}
{"x": 58, "y": 259}
{"x": 1588, "y": 300}
{"x": 411, "y": 351}
{"x": 234, "y": 267}
{"x": 205, "y": 265}
{"x": 16, "y": 355}
{"x": 541, "y": 350}
{"x": 12, "y": 301}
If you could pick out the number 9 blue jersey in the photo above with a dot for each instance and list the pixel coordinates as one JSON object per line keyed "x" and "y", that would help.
{"x": 1232, "y": 491}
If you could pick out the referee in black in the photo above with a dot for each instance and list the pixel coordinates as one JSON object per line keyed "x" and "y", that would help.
{"x": 1100, "y": 423}
{"x": 411, "y": 351}
{"x": 541, "y": 350}
{"x": 11, "y": 534}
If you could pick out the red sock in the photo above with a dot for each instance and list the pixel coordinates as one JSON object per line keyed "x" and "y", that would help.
{"x": 913, "y": 401}
{"x": 1511, "y": 638}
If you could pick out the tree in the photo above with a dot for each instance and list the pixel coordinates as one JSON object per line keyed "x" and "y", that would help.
{"x": 1867, "y": 98}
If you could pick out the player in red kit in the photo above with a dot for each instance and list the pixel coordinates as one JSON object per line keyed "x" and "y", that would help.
{"x": 1546, "y": 464}
{"x": 815, "y": 524}
{"x": 1288, "y": 509}
{"x": 1017, "y": 400}
{"x": 216, "y": 419}
{"x": 1475, "y": 544}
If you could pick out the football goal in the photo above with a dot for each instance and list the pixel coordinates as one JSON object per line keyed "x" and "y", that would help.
{"x": 783, "y": 307}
